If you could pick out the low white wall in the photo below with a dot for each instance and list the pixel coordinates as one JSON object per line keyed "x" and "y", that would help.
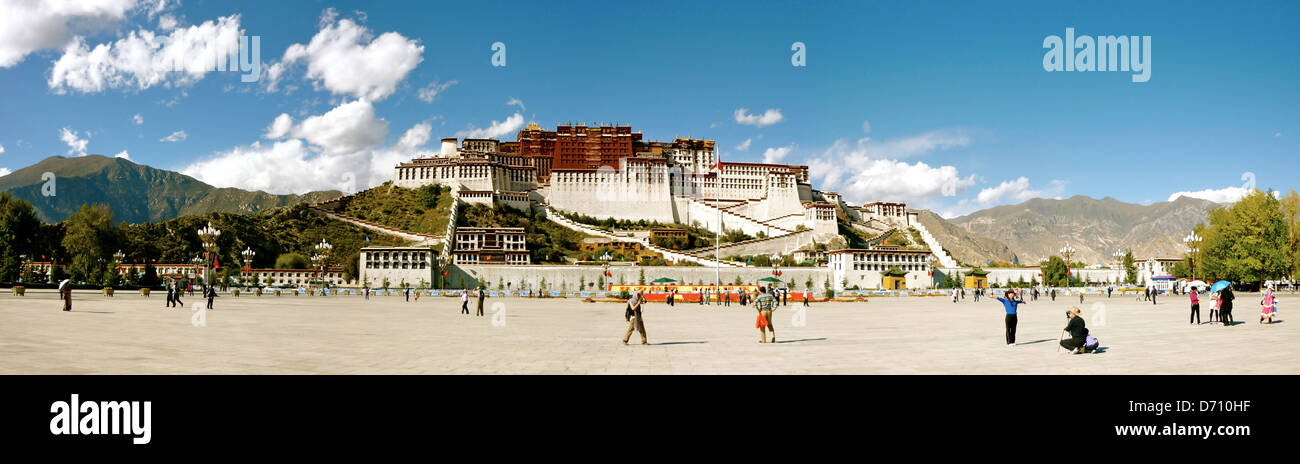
{"x": 568, "y": 277}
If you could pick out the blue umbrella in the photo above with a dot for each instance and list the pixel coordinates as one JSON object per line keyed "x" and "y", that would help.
{"x": 1220, "y": 285}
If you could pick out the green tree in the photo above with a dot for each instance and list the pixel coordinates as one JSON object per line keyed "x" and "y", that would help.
{"x": 1054, "y": 272}
{"x": 88, "y": 237}
{"x": 1182, "y": 269}
{"x": 1291, "y": 213}
{"x": 1130, "y": 268}
{"x": 18, "y": 230}
{"x": 1248, "y": 242}
{"x": 291, "y": 261}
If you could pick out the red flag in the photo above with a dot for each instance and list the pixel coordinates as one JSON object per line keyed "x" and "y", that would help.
{"x": 446, "y": 273}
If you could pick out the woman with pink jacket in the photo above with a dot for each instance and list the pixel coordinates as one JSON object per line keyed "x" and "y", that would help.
{"x": 1196, "y": 308}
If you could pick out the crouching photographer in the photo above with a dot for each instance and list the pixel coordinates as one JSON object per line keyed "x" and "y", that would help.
{"x": 1079, "y": 341}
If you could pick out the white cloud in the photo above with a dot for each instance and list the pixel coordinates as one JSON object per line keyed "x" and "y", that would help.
{"x": 1223, "y": 195}
{"x": 28, "y": 26}
{"x": 339, "y": 150}
{"x": 123, "y": 155}
{"x": 1017, "y": 191}
{"x": 744, "y": 145}
{"x": 5, "y": 172}
{"x": 175, "y": 137}
{"x": 497, "y": 130}
{"x": 280, "y": 127}
{"x": 769, "y": 117}
{"x": 144, "y": 59}
{"x": 516, "y": 102}
{"x": 2, "y": 149}
{"x": 415, "y": 137}
{"x": 347, "y": 128}
{"x": 866, "y": 126}
{"x": 343, "y": 59}
{"x": 1277, "y": 134}
{"x": 918, "y": 144}
{"x": 863, "y": 172}
{"x": 138, "y": 119}
{"x": 776, "y": 155}
{"x": 76, "y": 145}
{"x": 431, "y": 91}
{"x": 167, "y": 22}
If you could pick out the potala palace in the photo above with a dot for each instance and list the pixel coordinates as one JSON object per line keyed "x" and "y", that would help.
{"x": 609, "y": 171}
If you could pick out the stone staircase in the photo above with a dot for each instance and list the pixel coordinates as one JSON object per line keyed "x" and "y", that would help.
{"x": 746, "y": 219}
{"x": 945, "y": 261}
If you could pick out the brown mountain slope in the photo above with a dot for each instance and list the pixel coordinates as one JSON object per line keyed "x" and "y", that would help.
{"x": 1095, "y": 227}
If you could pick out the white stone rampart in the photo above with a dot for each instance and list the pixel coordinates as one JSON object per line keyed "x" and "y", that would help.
{"x": 935, "y": 247}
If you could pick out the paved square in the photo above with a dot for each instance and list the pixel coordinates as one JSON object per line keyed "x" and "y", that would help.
{"x": 344, "y": 334}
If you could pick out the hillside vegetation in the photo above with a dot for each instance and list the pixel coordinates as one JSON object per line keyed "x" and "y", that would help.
{"x": 423, "y": 210}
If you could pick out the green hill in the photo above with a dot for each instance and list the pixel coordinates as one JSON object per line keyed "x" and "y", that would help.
{"x": 136, "y": 193}
{"x": 422, "y": 211}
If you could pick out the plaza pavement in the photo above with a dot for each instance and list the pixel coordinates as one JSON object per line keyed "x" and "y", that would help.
{"x": 130, "y": 334}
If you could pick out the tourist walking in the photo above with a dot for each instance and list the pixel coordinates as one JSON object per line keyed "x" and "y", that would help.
{"x": 176, "y": 295}
{"x": 65, "y": 292}
{"x": 1010, "y": 304}
{"x": 464, "y": 302}
{"x": 765, "y": 303}
{"x": 1196, "y": 308}
{"x": 366, "y": 290}
{"x": 481, "y": 295}
{"x": 210, "y": 293}
{"x": 170, "y": 296}
{"x": 1053, "y": 294}
{"x": 976, "y": 294}
{"x": 634, "y": 320}
{"x": 726, "y": 299}
{"x": 1154, "y": 292}
{"x": 805, "y": 298}
{"x": 1146, "y": 294}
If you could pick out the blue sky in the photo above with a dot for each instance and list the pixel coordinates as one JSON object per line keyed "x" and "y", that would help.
{"x": 945, "y": 105}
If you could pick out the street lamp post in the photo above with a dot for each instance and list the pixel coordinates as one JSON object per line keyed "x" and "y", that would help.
{"x": 118, "y": 256}
{"x": 197, "y": 261}
{"x": 1067, "y": 251}
{"x": 248, "y": 255}
{"x": 442, "y": 264}
{"x": 208, "y": 236}
{"x": 1193, "y": 242}
{"x": 1119, "y": 258}
{"x": 321, "y": 257}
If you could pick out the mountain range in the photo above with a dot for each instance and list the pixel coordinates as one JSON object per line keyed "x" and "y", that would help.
{"x": 1026, "y": 232}
{"x": 136, "y": 193}
{"x": 1095, "y": 228}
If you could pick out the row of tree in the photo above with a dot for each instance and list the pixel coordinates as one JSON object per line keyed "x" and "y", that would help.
{"x": 89, "y": 239}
